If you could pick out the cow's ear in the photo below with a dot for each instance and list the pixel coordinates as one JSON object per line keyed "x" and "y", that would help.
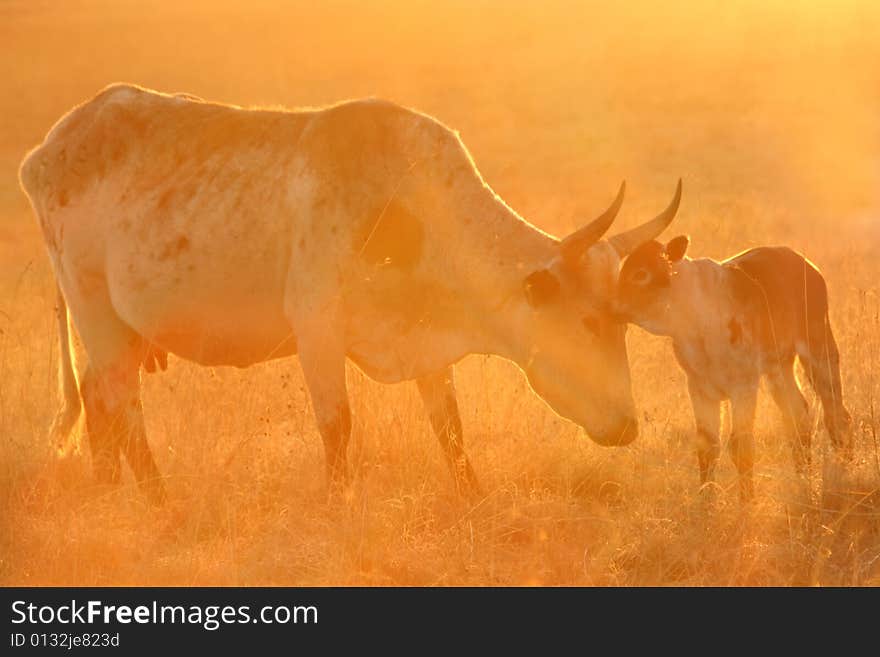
{"x": 677, "y": 247}
{"x": 541, "y": 287}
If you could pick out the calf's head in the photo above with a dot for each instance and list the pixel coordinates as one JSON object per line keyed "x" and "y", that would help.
{"x": 646, "y": 283}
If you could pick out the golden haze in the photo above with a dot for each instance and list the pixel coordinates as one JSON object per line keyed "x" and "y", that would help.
{"x": 768, "y": 112}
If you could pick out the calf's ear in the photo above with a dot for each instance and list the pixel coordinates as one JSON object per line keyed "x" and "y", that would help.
{"x": 540, "y": 287}
{"x": 677, "y": 247}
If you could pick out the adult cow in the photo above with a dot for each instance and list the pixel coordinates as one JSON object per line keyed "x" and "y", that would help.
{"x": 231, "y": 236}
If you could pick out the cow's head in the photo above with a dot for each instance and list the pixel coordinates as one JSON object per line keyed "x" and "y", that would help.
{"x": 645, "y": 286}
{"x": 578, "y": 361}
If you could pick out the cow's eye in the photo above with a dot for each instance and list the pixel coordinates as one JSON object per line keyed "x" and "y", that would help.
{"x": 641, "y": 277}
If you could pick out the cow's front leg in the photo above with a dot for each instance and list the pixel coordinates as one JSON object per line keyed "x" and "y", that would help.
{"x": 438, "y": 394}
{"x": 323, "y": 362}
{"x": 742, "y": 439}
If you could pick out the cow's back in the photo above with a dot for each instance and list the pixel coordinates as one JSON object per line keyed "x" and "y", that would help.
{"x": 126, "y": 125}
{"x": 194, "y": 218}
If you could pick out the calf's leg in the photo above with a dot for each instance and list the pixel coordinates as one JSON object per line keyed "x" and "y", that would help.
{"x": 707, "y": 411}
{"x": 795, "y": 413}
{"x": 821, "y": 361}
{"x": 742, "y": 439}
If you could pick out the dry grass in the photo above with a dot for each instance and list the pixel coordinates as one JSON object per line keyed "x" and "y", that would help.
{"x": 769, "y": 114}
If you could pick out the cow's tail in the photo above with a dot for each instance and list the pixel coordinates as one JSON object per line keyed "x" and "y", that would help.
{"x": 61, "y": 432}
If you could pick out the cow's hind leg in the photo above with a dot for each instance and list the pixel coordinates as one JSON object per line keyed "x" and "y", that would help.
{"x": 110, "y": 392}
{"x": 115, "y": 425}
{"x": 795, "y": 412}
{"x": 438, "y": 394}
{"x": 102, "y": 445}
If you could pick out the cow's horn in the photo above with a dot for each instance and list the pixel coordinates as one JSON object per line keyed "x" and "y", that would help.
{"x": 624, "y": 243}
{"x": 579, "y": 241}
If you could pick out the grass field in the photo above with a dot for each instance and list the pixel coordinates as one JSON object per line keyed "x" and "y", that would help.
{"x": 769, "y": 113}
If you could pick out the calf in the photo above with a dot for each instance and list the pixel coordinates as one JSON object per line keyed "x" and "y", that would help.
{"x": 731, "y": 323}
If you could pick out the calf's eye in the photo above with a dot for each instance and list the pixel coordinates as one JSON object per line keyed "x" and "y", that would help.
{"x": 641, "y": 277}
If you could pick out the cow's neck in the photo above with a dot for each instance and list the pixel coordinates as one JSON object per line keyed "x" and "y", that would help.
{"x": 511, "y": 250}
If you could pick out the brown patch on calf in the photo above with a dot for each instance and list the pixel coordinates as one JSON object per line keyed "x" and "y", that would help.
{"x": 118, "y": 152}
{"x": 175, "y": 248}
{"x": 735, "y": 330}
{"x": 393, "y": 237}
{"x": 650, "y": 256}
{"x": 164, "y": 201}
